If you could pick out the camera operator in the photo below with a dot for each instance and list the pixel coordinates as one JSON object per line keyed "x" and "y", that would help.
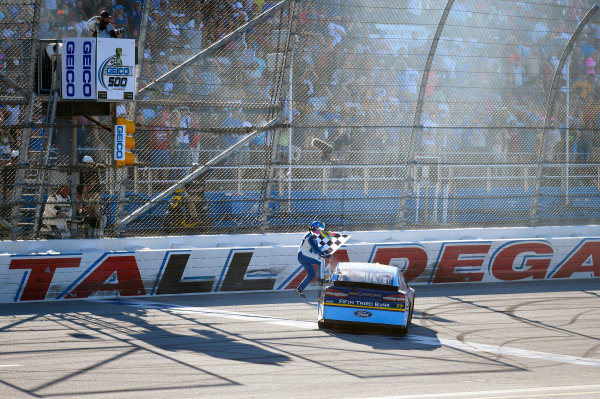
{"x": 101, "y": 26}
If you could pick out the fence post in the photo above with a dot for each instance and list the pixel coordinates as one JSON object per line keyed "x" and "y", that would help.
{"x": 542, "y": 156}
{"x": 416, "y": 127}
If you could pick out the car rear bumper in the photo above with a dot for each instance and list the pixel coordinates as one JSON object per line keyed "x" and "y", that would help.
{"x": 360, "y": 315}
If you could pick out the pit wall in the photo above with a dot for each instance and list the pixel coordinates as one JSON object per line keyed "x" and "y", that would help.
{"x": 78, "y": 269}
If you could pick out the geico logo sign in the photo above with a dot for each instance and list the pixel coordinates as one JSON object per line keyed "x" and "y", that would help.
{"x": 86, "y": 74}
{"x": 70, "y": 74}
{"x": 118, "y": 71}
{"x": 87, "y": 69}
{"x": 120, "y": 143}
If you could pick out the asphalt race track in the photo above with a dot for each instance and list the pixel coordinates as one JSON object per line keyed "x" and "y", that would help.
{"x": 511, "y": 340}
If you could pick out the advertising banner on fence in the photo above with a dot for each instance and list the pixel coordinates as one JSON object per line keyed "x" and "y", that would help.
{"x": 116, "y": 69}
{"x": 78, "y": 69}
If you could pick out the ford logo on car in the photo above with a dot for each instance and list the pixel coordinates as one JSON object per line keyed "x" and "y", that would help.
{"x": 363, "y": 314}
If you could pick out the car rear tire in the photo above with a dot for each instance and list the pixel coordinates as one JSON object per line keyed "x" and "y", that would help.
{"x": 322, "y": 324}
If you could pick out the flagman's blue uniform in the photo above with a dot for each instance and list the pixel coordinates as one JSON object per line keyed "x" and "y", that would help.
{"x": 309, "y": 254}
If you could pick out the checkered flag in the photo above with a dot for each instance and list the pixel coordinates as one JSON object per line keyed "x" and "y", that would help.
{"x": 330, "y": 242}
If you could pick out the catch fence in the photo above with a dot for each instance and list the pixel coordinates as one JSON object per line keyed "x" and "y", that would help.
{"x": 366, "y": 115}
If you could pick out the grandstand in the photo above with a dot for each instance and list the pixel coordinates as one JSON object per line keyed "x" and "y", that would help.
{"x": 433, "y": 113}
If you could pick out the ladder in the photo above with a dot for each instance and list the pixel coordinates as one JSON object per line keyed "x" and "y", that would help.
{"x": 31, "y": 182}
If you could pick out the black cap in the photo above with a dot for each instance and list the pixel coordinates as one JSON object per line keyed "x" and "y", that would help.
{"x": 105, "y": 14}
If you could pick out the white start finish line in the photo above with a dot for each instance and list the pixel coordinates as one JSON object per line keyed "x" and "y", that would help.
{"x": 519, "y": 393}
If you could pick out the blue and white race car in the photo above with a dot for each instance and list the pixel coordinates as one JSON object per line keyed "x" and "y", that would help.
{"x": 367, "y": 294}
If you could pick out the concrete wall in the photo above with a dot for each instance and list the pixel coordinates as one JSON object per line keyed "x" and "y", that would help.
{"x": 75, "y": 269}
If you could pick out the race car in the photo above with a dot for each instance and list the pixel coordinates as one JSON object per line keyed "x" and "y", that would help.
{"x": 366, "y": 294}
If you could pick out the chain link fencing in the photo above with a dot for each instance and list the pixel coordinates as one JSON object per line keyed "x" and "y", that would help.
{"x": 366, "y": 115}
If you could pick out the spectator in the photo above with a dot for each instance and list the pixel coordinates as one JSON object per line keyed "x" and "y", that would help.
{"x": 60, "y": 24}
{"x": 233, "y": 120}
{"x": 89, "y": 210}
{"x": 135, "y": 19}
{"x": 83, "y": 9}
{"x": 12, "y": 119}
{"x": 162, "y": 65}
{"x": 239, "y": 13}
{"x": 428, "y": 137}
{"x": 341, "y": 143}
{"x": 174, "y": 29}
{"x": 56, "y": 219}
{"x": 583, "y": 145}
{"x": 6, "y": 139}
{"x": 582, "y": 87}
{"x": 527, "y": 142}
{"x": 182, "y": 156}
{"x": 160, "y": 148}
{"x": 71, "y": 30}
{"x": 82, "y": 136}
{"x": 194, "y": 32}
{"x": 9, "y": 164}
{"x": 120, "y": 17}
{"x": 336, "y": 31}
{"x": 100, "y": 26}
{"x": 590, "y": 64}
{"x": 46, "y": 22}
{"x": 196, "y": 143}
{"x": 512, "y": 144}
{"x": 210, "y": 78}
{"x": 80, "y": 25}
{"x": 515, "y": 73}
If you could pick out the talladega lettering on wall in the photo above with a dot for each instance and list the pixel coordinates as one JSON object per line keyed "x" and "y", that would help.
{"x": 166, "y": 272}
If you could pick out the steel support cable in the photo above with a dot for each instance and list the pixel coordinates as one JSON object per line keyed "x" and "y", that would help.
{"x": 542, "y": 155}
{"x": 416, "y": 127}
{"x": 15, "y": 85}
{"x": 279, "y": 72}
{"x": 217, "y": 44}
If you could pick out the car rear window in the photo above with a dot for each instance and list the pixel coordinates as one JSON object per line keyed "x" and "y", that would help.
{"x": 366, "y": 276}
{"x": 354, "y": 284}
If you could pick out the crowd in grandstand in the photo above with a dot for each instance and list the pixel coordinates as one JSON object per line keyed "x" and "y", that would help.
{"x": 349, "y": 71}
{"x": 342, "y": 55}
{"x": 67, "y": 18}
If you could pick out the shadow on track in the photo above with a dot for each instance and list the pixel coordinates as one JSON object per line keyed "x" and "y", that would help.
{"x": 202, "y": 338}
{"x": 418, "y": 338}
{"x": 138, "y": 324}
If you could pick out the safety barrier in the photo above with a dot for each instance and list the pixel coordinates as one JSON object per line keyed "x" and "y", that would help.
{"x": 82, "y": 269}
